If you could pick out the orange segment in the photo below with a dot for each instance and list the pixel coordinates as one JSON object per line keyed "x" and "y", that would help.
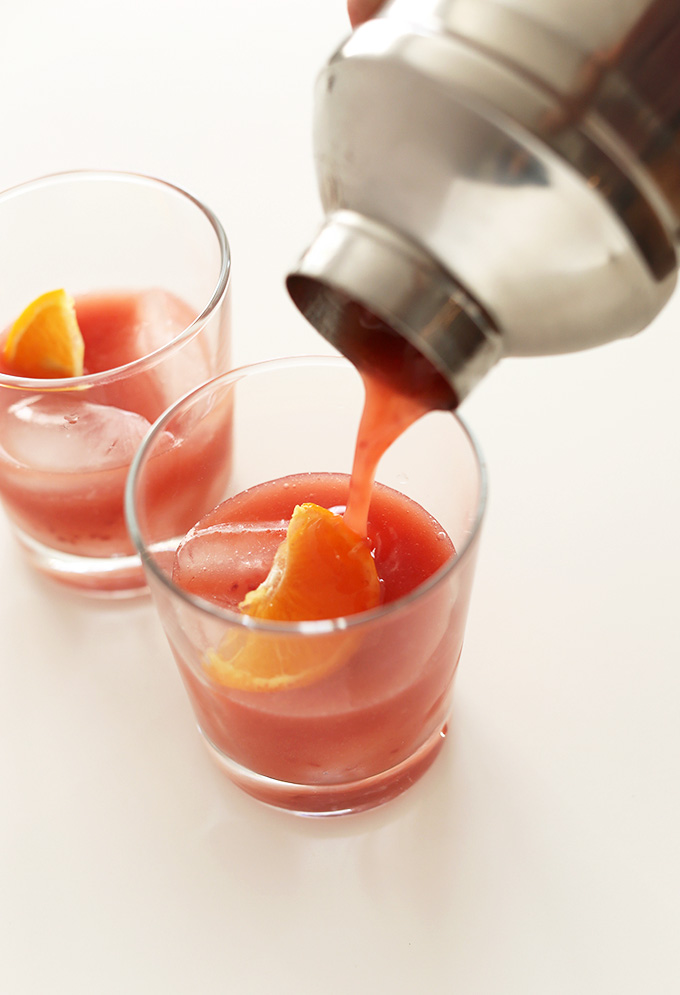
{"x": 260, "y": 661}
{"x": 321, "y": 570}
{"x": 45, "y": 341}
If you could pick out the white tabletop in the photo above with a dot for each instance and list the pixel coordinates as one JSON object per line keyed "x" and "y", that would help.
{"x": 540, "y": 854}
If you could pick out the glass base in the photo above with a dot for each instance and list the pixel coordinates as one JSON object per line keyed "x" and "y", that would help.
{"x": 96, "y": 576}
{"x": 322, "y": 800}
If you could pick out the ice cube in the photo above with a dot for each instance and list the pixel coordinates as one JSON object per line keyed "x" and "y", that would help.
{"x": 160, "y": 317}
{"x": 65, "y": 433}
{"x": 121, "y": 328}
{"x": 224, "y": 562}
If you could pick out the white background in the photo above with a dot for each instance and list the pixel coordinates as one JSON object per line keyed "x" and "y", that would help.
{"x": 540, "y": 855}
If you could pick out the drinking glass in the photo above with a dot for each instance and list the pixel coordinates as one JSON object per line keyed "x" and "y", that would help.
{"x": 153, "y": 263}
{"x": 367, "y": 726}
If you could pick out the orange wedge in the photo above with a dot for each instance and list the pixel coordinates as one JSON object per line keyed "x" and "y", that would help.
{"x": 321, "y": 570}
{"x": 45, "y": 341}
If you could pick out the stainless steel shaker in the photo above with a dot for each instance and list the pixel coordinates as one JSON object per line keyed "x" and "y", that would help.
{"x": 499, "y": 178}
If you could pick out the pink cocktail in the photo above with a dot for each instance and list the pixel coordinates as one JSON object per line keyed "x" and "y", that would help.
{"x": 369, "y": 724}
{"x": 66, "y": 445}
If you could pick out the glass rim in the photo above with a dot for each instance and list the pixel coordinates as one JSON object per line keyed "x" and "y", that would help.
{"x": 152, "y": 358}
{"x": 316, "y": 627}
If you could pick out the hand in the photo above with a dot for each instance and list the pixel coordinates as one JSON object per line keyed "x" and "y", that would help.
{"x": 362, "y": 10}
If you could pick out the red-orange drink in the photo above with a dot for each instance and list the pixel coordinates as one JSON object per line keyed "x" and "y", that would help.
{"x": 149, "y": 267}
{"x": 65, "y": 454}
{"x": 367, "y": 715}
{"x": 334, "y": 714}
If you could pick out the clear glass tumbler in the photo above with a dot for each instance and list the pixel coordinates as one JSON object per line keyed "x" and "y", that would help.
{"x": 148, "y": 266}
{"x": 373, "y": 717}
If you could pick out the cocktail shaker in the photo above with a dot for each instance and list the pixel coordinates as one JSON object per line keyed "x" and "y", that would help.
{"x": 498, "y": 178}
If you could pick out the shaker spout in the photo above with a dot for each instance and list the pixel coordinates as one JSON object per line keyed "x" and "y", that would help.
{"x": 393, "y": 309}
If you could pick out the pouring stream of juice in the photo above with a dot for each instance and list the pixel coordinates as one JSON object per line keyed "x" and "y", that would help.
{"x": 386, "y": 414}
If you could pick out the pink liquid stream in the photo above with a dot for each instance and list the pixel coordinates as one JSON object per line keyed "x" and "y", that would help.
{"x": 386, "y": 415}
